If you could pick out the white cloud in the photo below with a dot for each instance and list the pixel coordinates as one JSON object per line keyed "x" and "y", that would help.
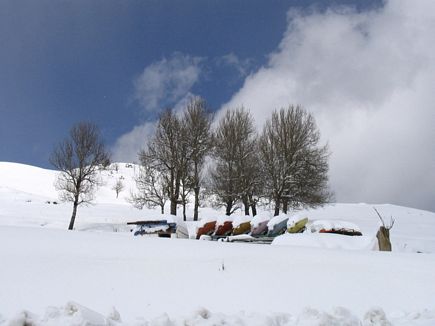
{"x": 369, "y": 80}
{"x": 241, "y": 65}
{"x": 166, "y": 81}
{"x": 127, "y": 146}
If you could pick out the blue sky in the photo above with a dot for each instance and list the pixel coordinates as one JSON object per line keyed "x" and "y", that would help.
{"x": 364, "y": 69}
{"x": 67, "y": 61}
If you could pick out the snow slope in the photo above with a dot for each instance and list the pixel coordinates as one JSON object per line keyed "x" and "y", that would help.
{"x": 50, "y": 276}
{"x": 149, "y": 276}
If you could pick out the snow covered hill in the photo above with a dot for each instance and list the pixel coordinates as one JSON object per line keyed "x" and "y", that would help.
{"x": 39, "y": 182}
{"x": 51, "y": 276}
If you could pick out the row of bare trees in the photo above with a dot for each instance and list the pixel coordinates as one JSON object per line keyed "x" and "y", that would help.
{"x": 284, "y": 164}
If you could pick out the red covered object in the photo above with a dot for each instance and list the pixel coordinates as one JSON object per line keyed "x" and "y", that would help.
{"x": 224, "y": 229}
{"x": 207, "y": 229}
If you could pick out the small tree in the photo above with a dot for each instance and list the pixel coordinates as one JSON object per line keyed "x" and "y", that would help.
{"x": 78, "y": 158}
{"x": 118, "y": 187}
{"x": 150, "y": 185}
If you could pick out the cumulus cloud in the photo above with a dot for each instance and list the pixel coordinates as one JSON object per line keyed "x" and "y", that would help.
{"x": 166, "y": 81}
{"x": 368, "y": 78}
{"x": 127, "y": 147}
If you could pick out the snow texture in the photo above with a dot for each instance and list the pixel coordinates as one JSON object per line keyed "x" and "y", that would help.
{"x": 302, "y": 279}
{"x": 259, "y": 218}
{"x": 276, "y": 220}
{"x": 241, "y": 219}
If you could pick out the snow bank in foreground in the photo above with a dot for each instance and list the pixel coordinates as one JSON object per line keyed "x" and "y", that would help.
{"x": 326, "y": 240}
{"x": 76, "y": 314}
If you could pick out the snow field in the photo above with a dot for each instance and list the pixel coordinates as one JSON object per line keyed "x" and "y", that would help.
{"x": 302, "y": 279}
{"x": 150, "y": 277}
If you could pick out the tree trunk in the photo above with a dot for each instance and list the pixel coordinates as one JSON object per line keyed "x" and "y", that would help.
{"x": 229, "y": 207}
{"x": 174, "y": 191}
{"x": 73, "y": 217}
{"x": 277, "y": 205}
{"x": 184, "y": 210}
{"x": 162, "y": 207}
{"x": 246, "y": 205}
{"x": 285, "y": 206}
{"x": 254, "y": 208}
{"x": 253, "y": 205}
{"x": 196, "y": 205}
{"x": 196, "y": 191}
{"x": 173, "y": 206}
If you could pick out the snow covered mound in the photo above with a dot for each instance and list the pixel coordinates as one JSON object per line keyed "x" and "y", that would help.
{"x": 327, "y": 241}
{"x": 276, "y": 220}
{"x": 26, "y": 179}
{"x": 241, "y": 219}
{"x": 260, "y": 218}
{"x": 39, "y": 182}
{"x": 73, "y": 314}
{"x": 28, "y": 197}
{"x": 413, "y": 229}
{"x": 318, "y": 225}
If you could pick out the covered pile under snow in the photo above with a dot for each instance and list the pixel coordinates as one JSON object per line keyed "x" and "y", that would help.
{"x": 151, "y": 229}
{"x": 239, "y": 219}
{"x": 316, "y": 226}
{"x": 259, "y": 218}
{"x": 204, "y": 220}
{"x": 327, "y": 241}
{"x": 276, "y": 220}
{"x": 224, "y": 218}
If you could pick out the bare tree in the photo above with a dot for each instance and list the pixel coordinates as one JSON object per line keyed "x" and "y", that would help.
{"x": 254, "y": 189}
{"x": 78, "y": 158}
{"x": 165, "y": 152}
{"x": 383, "y": 233}
{"x": 118, "y": 187}
{"x": 183, "y": 168}
{"x": 294, "y": 166}
{"x": 246, "y": 162}
{"x": 233, "y": 175}
{"x": 150, "y": 185}
{"x": 196, "y": 123}
{"x": 185, "y": 190}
